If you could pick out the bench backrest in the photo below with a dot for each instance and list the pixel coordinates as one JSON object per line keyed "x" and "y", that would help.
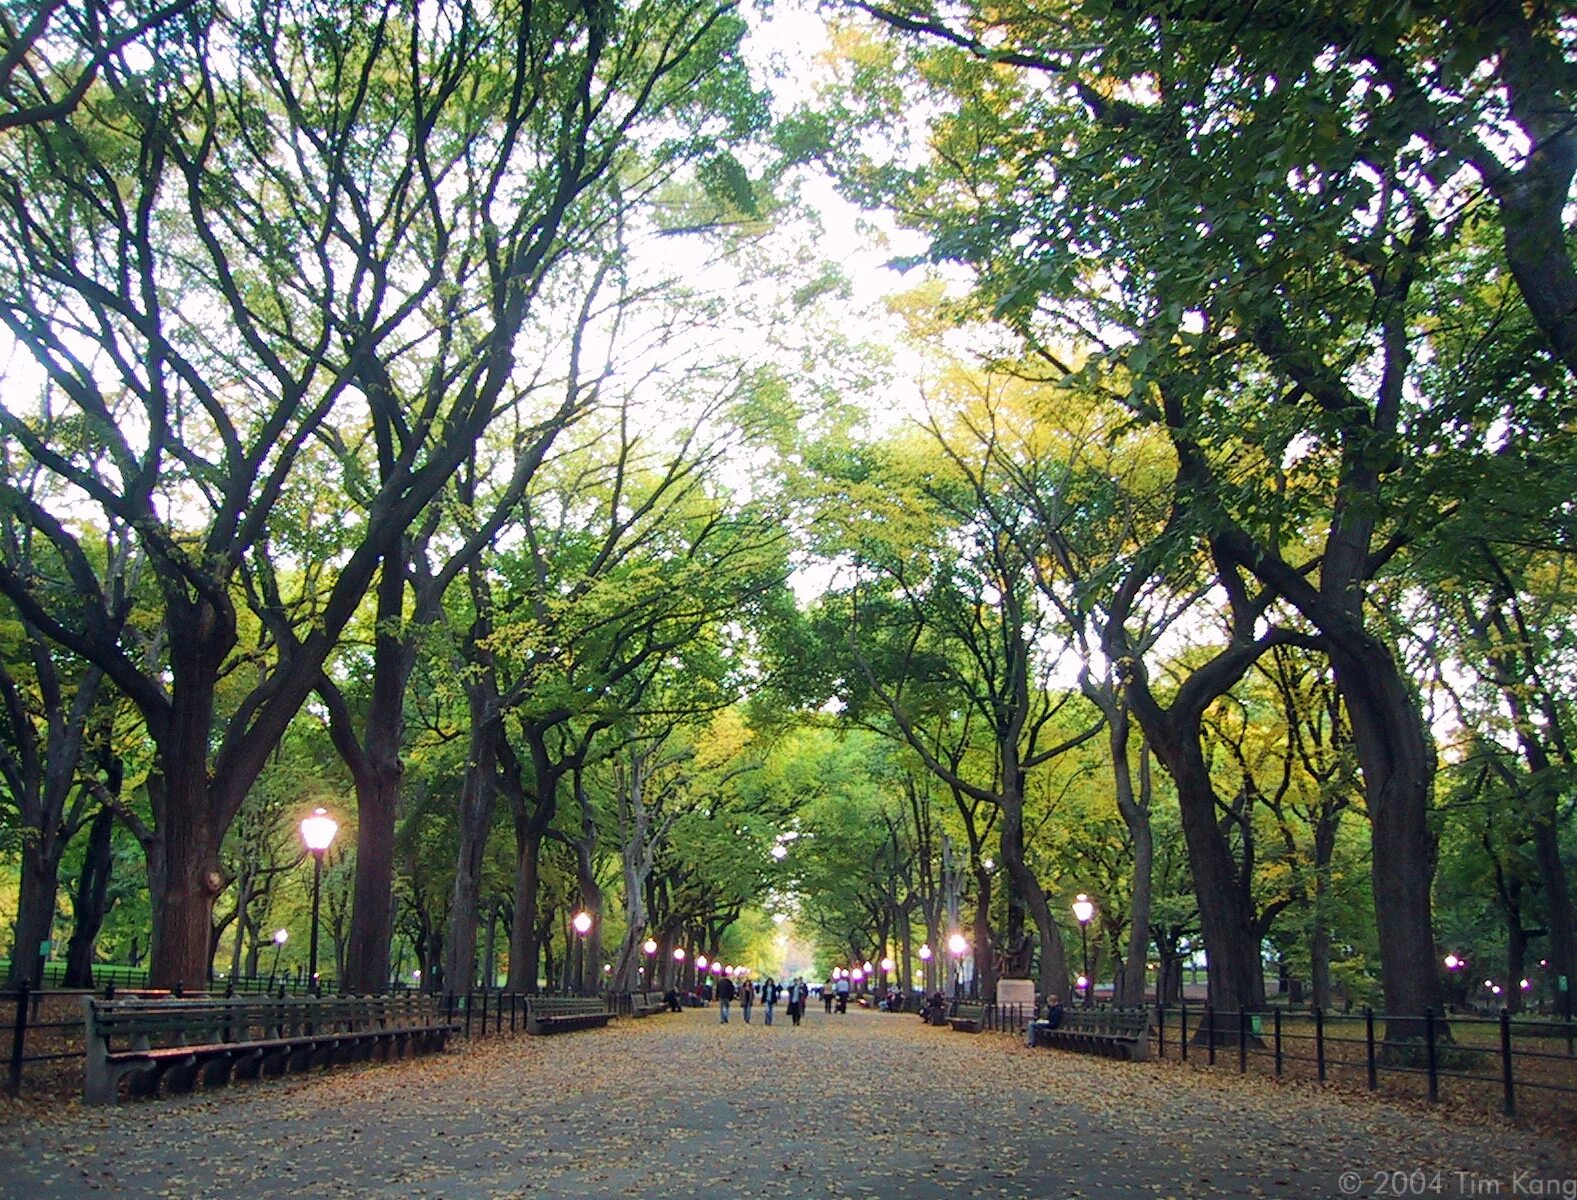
{"x": 145, "y": 1024}
{"x": 1119, "y": 1022}
{"x": 565, "y": 1005}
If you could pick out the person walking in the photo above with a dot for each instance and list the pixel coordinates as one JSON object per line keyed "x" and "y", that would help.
{"x": 747, "y": 998}
{"x": 769, "y": 997}
{"x": 828, "y": 992}
{"x": 843, "y": 993}
{"x": 725, "y": 997}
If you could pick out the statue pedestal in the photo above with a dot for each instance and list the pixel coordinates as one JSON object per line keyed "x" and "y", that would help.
{"x": 1018, "y": 993}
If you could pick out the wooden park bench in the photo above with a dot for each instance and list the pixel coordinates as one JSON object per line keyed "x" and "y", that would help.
{"x": 1109, "y": 1032}
{"x": 175, "y": 1043}
{"x": 559, "y": 1014}
{"x": 644, "y": 1004}
{"x": 968, "y": 1017}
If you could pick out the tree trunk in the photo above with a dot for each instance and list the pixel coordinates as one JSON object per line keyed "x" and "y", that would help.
{"x": 1397, "y": 760}
{"x": 1557, "y": 898}
{"x": 379, "y": 774}
{"x": 591, "y": 903}
{"x": 243, "y": 901}
{"x": 523, "y": 946}
{"x": 186, "y": 880}
{"x": 1320, "y": 932}
{"x": 1053, "y": 958}
{"x": 1135, "y": 810}
{"x": 371, "y": 933}
{"x": 985, "y": 951}
{"x": 476, "y": 822}
{"x": 1516, "y": 959}
{"x": 1225, "y": 915}
{"x": 35, "y": 914}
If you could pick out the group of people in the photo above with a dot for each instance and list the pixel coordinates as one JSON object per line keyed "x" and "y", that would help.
{"x": 772, "y": 992}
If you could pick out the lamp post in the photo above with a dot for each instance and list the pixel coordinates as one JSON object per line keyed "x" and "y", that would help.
{"x": 679, "y": 965}
{"x": 958, "y": 947}
{"x": 317, "y": 831}
{"x": 281, "y": 936}
{"x": 1455, "y": 965}
{"x": 1083, "y": 910}
{"x": 925, "y": 967}
{"x": 582, "y": 925}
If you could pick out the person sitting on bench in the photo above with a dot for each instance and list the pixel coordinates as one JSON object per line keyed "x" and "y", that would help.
{"x": 1053, "y": 1011}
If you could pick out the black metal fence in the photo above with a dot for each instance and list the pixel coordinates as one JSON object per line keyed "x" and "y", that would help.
{"x": 123, "y": 978}
{"x": 1501, "y": 1061}
{"x": 38, "y": 1037}
{"x": 1502, "y": 1056}
{"x": 489, "y": 1013}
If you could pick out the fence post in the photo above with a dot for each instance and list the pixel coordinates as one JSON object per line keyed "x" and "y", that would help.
{"x": 1182, "y": 1037}
{"x": 513, "y": 997}
{"x": 1319, "y": 1041}
{"x": 1242, "y": 1041}
{"x": 484, "y": 1012}
{"x": 1278, "y": 1042}
{"x": 1429, "y": 1046}
{"x": 18, "y": 1040}
{"x": 1160, "y": 1030}
{"x": 470, "y": 998}
{"x": 1368, "y": 1033}
{"x": 1210, "y": 1034}
{"x": 1505, "y": 1061}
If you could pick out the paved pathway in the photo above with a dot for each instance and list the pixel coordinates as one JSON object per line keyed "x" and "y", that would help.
{"x": 854, "y": 1106}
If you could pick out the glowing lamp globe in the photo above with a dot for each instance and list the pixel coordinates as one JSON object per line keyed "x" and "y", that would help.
{"x": 1083, "y": 909}
{"x": 318, "y": 830}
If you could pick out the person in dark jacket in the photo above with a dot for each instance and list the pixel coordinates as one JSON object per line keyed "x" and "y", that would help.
{"x": 725, "y": 997}
{"x": 1053, "y": 1011}
{"x": 769, "y": 998}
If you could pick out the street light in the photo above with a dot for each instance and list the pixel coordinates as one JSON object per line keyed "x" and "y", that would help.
{"x": 1083, "y": 910}
{"x": 281, "y": 936}
{"x": 958, "y": 947}
{"x": 317, "y": 831}
{"x": 582, "y": 925}
{"x": 925, "y": 967}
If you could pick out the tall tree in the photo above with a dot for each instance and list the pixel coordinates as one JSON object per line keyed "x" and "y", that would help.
{"x": 257, "y": 182}
{"x": 1239, "y": 212}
